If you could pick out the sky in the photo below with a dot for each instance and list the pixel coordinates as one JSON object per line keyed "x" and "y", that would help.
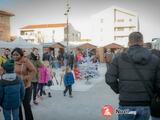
{"x": 52, "y": 11}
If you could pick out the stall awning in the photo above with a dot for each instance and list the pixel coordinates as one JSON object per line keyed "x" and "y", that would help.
{"x": 57, "y": 45}
{"x": 113, "y": 46}
{"x": 87, "y": 46}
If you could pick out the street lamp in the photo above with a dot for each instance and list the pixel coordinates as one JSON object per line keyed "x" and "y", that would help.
{"x": 67, "y": 14}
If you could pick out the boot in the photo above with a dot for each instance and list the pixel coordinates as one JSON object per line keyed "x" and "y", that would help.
{"x": 49, "y": 94}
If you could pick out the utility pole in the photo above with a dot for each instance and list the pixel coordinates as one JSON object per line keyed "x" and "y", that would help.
{"x": 67, "y": 16}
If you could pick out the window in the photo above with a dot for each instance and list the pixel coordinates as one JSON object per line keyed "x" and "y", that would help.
{"x": 102, "y": 20}
{"x": 120, "y": 29}
{"x": 120, "y": 20}
{"x": 131, "y": 29}
{"x": 22, "y": 32}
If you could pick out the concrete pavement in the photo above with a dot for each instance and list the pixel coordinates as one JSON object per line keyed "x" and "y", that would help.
{"x": 85, "y": 105}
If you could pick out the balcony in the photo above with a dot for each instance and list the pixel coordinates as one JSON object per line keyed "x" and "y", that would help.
{"x": 125, "y": 24}
{"x": 122, "y": 33}
{"x": 28, "y": 36}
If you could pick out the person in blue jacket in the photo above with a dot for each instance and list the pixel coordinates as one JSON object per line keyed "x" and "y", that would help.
{"x": 68, "y": 81}
{"x": 11, "y": 91}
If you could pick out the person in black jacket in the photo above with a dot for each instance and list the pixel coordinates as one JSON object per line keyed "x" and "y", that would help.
{"x": 155, "y": 108}
{"x": 124, "y": 80}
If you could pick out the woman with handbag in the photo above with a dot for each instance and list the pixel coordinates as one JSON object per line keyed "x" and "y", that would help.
{"x": 25, "y": 69}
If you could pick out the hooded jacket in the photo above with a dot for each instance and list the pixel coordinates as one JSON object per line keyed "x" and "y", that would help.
{"x": 123, "y": 79}
{"x": 68, "y": 79}
{"x": 37, "y": 63}
{"x": 43, "y": 74}
{"x": 11, "y": 91}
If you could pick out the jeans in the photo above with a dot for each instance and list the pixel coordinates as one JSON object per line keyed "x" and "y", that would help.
{"x": 142, "y": 113}
{"x": 34, "y": 88}
{"x": 154, "y": 118}
{"x": 26, "y": 105}
{"x": 14, "y": 112}
{"x": 69, "y": 87}
{"x": 40, "y": 88}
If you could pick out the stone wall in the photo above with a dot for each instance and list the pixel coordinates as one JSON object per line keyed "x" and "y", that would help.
{"x": 4, "y": 28}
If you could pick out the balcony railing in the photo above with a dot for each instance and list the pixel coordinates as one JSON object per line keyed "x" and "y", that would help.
{"x": 125, "y": 24}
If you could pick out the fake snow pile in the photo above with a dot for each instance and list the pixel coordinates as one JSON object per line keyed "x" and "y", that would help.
{"x": 83, "y": 84}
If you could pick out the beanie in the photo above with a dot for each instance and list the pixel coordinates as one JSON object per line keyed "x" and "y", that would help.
{"x": 9, "y": 66}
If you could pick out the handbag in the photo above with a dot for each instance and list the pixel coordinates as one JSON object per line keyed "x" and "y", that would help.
{"x": 155, "y": 98}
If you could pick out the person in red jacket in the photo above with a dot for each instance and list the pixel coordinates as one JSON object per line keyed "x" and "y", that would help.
{"x": 77, "y": 72}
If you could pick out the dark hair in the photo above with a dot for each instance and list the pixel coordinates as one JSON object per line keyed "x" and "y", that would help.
{"x": 18, "y": 50}
{"x": 135, "y": 37}
{"x": 33, "y": 49}
{"x": 8, "y": 49}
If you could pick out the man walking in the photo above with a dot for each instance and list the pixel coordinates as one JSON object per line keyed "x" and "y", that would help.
{"x": 132, "y": 75}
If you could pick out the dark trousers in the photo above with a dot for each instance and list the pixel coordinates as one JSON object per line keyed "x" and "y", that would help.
{"x": 40, "y": 88}
{"x": 71, "y": 66}
{"x": 34, "y": 90}
{"x": 68, "y": 87}
{"x": 26, "y": 105}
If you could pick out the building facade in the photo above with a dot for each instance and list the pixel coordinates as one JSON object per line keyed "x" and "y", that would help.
{"x": 114, "y": 25}
{"x": 47, "y": 33}
{"x": 5, "y": 25}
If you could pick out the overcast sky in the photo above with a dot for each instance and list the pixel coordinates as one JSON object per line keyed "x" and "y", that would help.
{"x": 52, "y": 11}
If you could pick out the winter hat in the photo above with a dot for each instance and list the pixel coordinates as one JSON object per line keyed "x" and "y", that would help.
{"x": 9, "y": 66}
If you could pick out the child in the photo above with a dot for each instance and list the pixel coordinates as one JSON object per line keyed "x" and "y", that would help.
{"x": 68, "y": 82}
{"x": 11, "y": 91}
{"x": 50, "y": 77}
{"x": 43, "y": 78}
{"x": 76, "y": 72}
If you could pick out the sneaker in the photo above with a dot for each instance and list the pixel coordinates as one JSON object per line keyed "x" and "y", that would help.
{"x": 49, "y": 95}
{"x": 35, "y": 102}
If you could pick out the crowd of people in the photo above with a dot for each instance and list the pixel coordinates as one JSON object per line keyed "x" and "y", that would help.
{"x": 133, "y": 73}
{"x": 24, "y": 77}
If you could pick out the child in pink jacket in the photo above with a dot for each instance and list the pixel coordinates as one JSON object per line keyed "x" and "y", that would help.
{"x": 43, "y": 78}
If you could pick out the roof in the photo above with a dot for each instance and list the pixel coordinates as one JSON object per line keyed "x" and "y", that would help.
{"x": 124, "y": 10}
{"x": 6, "y": 13}
{"x": 87, "y": 45}
{"x": 111, "y": 8}
{"x": 57, "y": 45}
{"x": 44, "y": 26}
{"x": 113, "y": 46}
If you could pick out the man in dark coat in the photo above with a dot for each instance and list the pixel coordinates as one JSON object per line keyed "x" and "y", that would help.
{"x": 125, "y": 81}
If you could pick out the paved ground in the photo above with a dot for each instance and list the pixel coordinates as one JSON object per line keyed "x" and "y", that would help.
{"x": 83, "y": 106}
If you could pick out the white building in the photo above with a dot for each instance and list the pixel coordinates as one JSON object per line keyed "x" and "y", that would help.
{"x": 45, "y": 33}
{"x": 113, "y": 25}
